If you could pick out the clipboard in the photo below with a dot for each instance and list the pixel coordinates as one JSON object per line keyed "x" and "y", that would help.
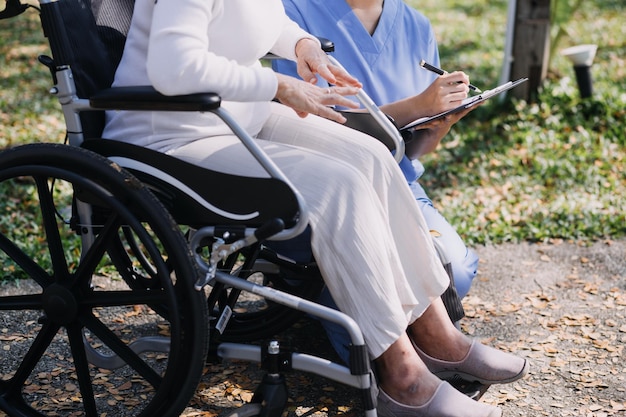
{"x": 466, "y": 104}
{"x": 364, "y": 122}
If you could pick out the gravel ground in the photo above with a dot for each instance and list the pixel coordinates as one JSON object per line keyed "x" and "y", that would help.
{"x": 562, "y": 305}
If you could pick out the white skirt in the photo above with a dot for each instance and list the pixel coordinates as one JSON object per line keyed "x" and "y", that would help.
{"x": 369, "y": 237}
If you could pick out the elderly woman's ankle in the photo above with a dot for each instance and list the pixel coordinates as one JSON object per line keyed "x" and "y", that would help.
{"x": 415, "y": 391}
{"x": 448, "y": 347}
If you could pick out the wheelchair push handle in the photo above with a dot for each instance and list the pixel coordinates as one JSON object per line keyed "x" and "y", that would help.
{"x": 380, "y": 117}
{"x": 13, "y": 8}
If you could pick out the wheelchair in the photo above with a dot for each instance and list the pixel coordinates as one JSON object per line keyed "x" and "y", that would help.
{"x": 128, "y": 267}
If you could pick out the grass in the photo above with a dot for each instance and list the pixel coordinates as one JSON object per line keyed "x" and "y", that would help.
{"x": 28, "y": 113}
{"x": 510, "y": 171}
{"x": 536, "y": 171}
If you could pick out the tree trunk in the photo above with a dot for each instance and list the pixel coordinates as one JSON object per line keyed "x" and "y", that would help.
{"x": 531, "y": 46}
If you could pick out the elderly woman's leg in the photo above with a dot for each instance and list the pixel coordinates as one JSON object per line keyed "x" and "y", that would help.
{"x": 403, "y": 375}
{"x": 368, "y": 235}
{"x": 407, "y": 388}
{"x": 438, "y": 336}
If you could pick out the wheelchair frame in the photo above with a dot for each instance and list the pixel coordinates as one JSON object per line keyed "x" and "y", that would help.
{"x": 192, "y": 271}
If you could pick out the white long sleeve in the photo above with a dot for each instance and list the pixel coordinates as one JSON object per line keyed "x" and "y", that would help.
{"x": 187, "y": 46}
{"x": 182, "y": 49}
{"x": 190, "y": 52}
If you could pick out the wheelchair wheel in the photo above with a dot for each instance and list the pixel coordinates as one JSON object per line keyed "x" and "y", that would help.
{"x": 92, "y": 326}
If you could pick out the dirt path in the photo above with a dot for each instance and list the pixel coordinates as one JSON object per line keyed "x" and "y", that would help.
{"x": 562, "y": 305}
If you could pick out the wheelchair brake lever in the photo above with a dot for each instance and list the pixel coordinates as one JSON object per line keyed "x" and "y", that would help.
{"x": 49, "y": 63}
{"x": 220, "y": 250}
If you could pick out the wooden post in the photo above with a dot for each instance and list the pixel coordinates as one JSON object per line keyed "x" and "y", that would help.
{"x": 531, "y": 46}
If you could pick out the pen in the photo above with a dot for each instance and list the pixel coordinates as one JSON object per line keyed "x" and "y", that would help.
{"x": 439, "y": 71}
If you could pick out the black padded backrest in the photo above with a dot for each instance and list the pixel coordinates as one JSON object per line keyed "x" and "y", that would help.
{"x": 112, "y": 19}
{"x": 89, "y": 36}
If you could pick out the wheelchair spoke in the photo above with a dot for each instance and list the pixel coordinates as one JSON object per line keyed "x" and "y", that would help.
{"x": 95, "y": 252}
{"x": 48, "y": 213}
{"x": 134, "y": 277}
{"x": 32, "y": 357}
{"x": 21, "y": 302}
{"x": 81, "y": 365}
{"x": 113, "y": 342}
{"x": 25, "y": 261}
{"x": 136, "y": 250}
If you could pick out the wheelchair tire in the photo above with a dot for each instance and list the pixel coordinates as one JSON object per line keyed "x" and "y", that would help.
{"x": 108, "y": 328}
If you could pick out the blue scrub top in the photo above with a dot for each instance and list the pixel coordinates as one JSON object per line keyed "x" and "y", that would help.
{"x": 386, "y": 63}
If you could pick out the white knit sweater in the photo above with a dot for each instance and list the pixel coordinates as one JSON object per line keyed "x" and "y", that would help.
{"x": 187, "y": 46}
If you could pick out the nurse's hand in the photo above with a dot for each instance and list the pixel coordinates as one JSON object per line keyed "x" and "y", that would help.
{"x": 446, "y": 92}
{"x": 306, "y": 98}
{"x": 427, "y": 138}
{"x": 312, "y": 60}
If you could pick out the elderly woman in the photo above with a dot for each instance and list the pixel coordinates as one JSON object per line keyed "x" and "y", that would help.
{"x": 353, "y": 188}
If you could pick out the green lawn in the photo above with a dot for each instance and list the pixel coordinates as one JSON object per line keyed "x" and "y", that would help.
{"x": 507, "y": 172}
{"x": 27, "y": 112}
{"x": 533, "y": 171}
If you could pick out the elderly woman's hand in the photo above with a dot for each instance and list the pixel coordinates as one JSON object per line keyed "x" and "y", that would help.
{"x": 306, "y": 98}
{"x": 313, "y": 60}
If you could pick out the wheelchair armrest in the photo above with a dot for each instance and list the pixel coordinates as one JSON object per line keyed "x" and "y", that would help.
{"x": 147, "y": 98}
{"x": 13, "y": 8}
{"x": 327, "y": 46}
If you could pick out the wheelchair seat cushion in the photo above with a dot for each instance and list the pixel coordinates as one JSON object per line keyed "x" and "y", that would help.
{"x": 197, "y": 196}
